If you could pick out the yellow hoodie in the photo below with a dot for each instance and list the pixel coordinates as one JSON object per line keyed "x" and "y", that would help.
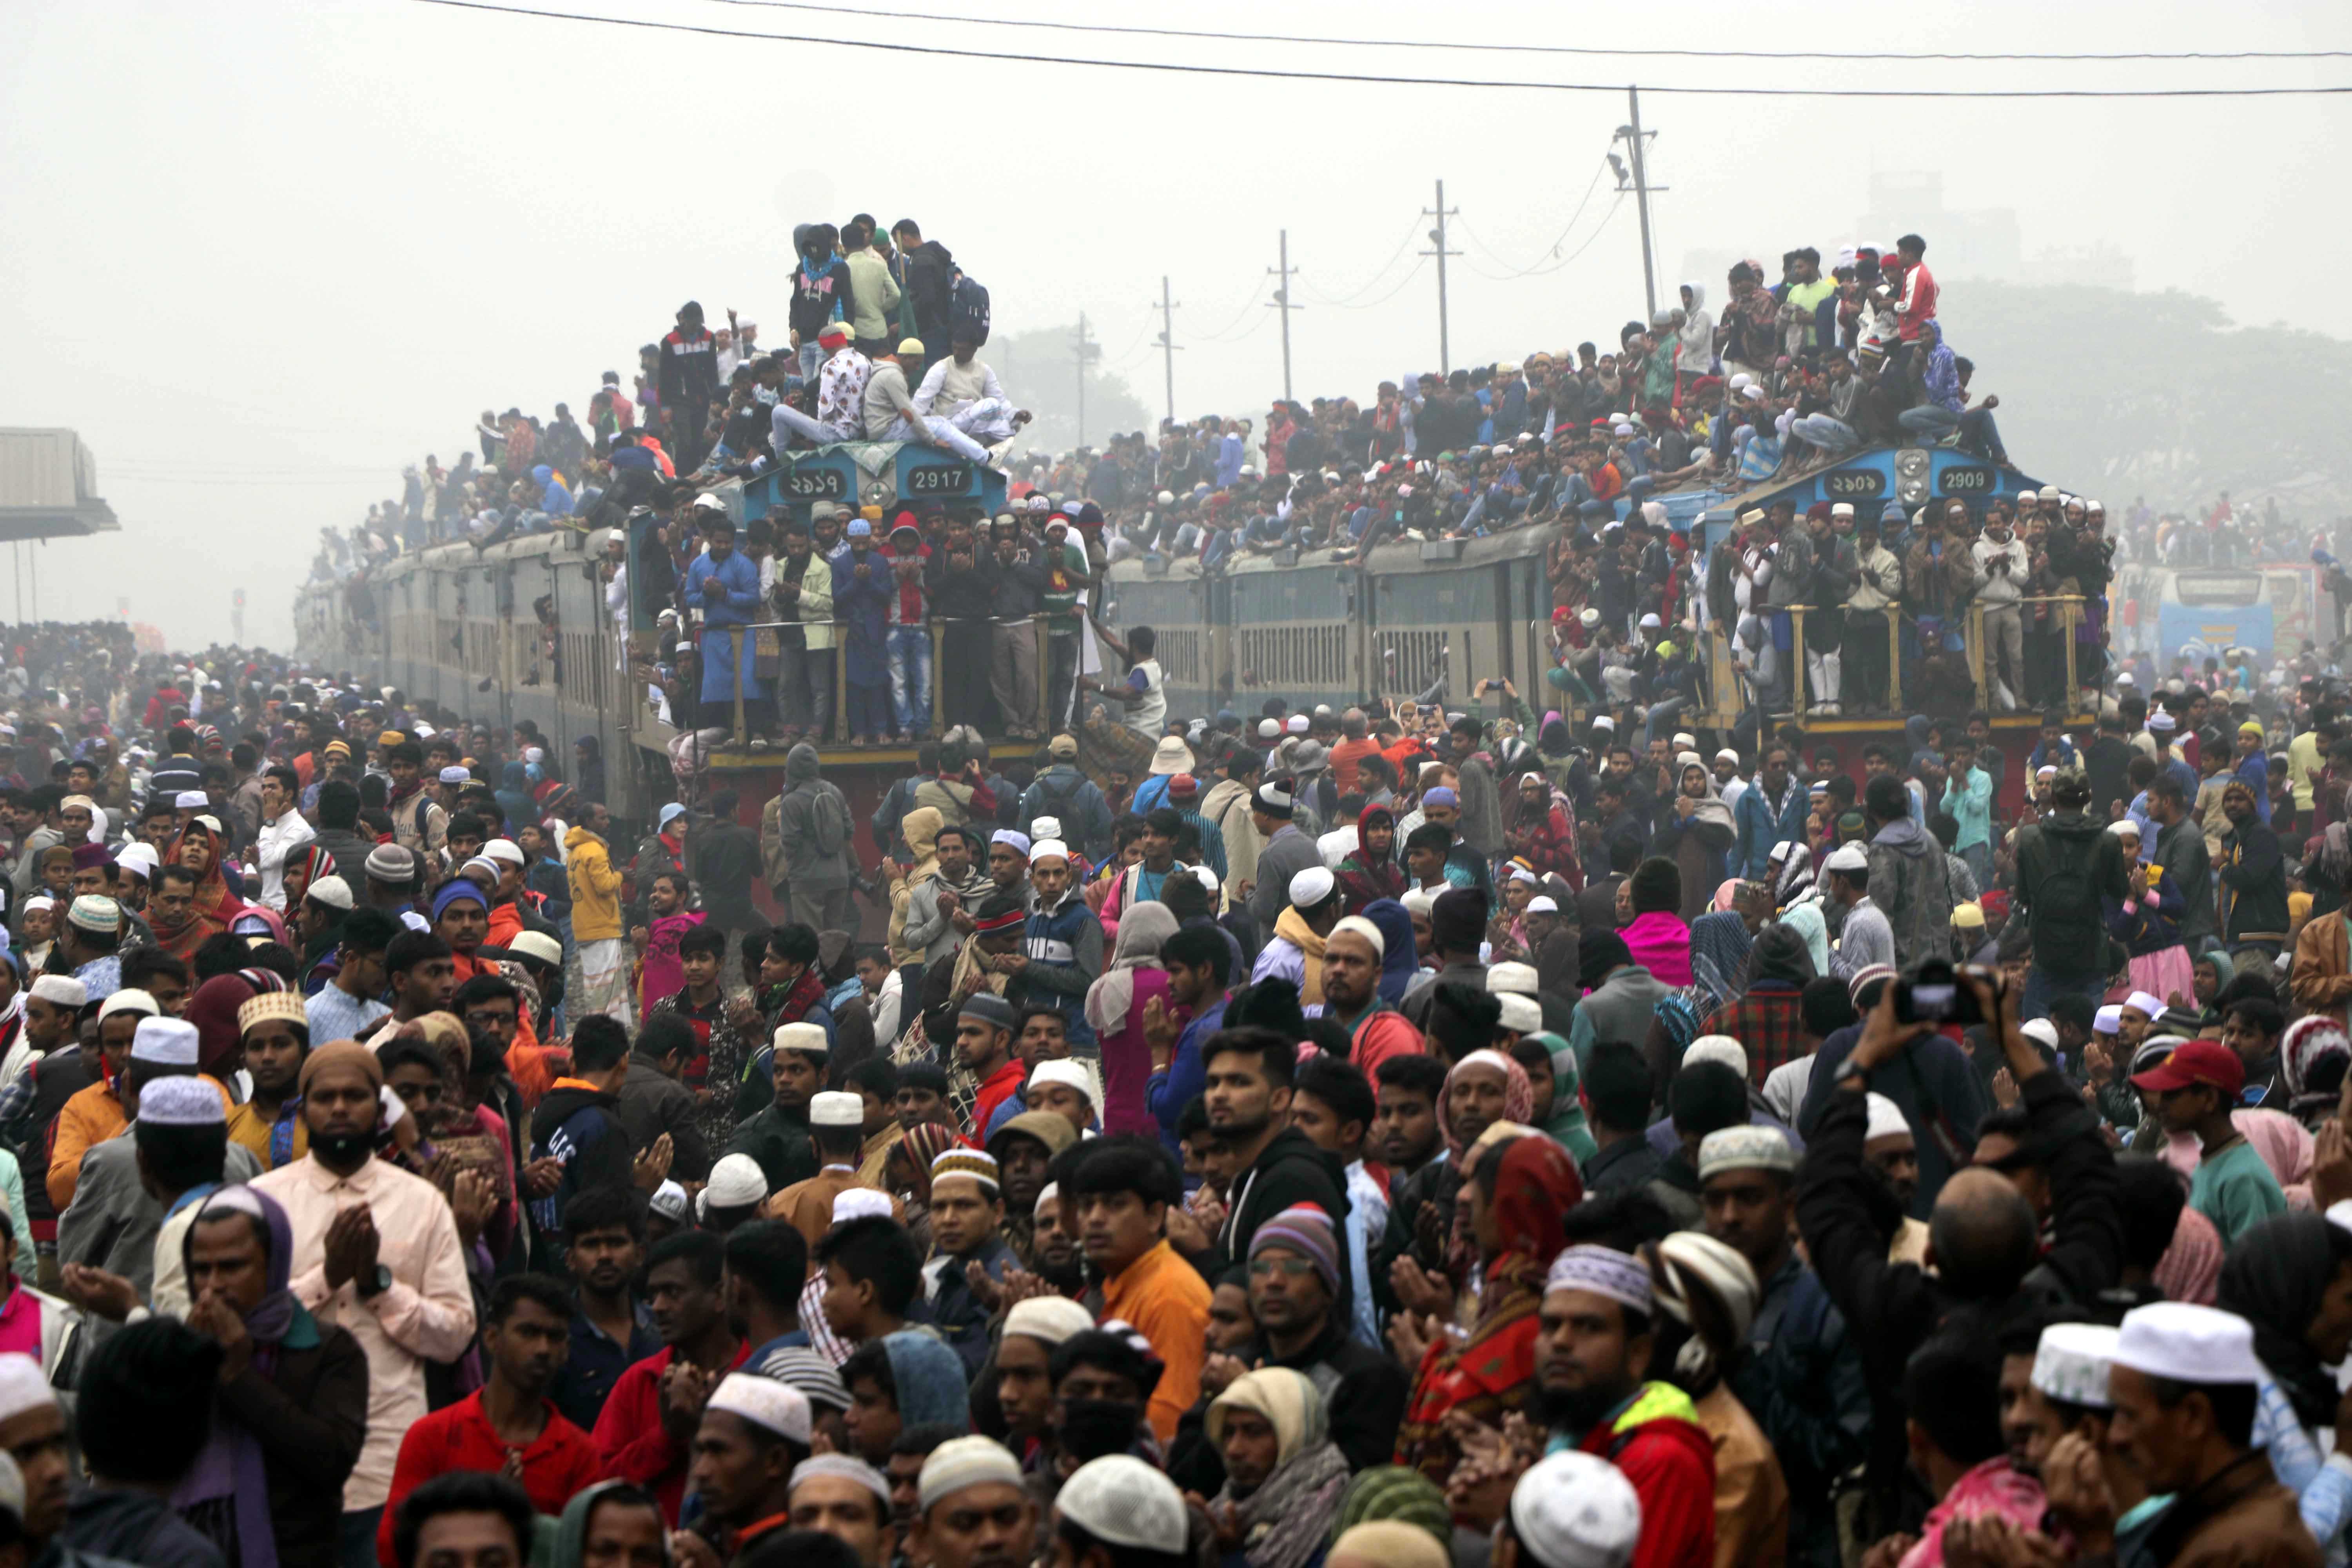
{"x": 596, "y": 888}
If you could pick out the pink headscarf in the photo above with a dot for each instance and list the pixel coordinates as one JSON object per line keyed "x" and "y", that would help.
{"x": 2191, "y": 1265}
{"x": 2283, "y": 1144}
{"x": 1725, "y": 896}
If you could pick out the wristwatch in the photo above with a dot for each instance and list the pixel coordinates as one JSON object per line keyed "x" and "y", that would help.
{"x": 1850, "y": 1071}
{"x": 376, "y": 1284}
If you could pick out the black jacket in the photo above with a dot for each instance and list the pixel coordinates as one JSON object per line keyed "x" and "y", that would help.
{"x": 582, "y": 1127}
{"x": 931, "y": 284}
{"x": 651, "y": 1104}
{"x": 2252, "y": 874}
{"x": 1291, "y": 1169}
{"x": 2064, "y": 858}
{"x": 309, "y": 1414}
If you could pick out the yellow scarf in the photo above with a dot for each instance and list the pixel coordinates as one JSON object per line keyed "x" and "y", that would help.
{"x": 1292, "y": 927}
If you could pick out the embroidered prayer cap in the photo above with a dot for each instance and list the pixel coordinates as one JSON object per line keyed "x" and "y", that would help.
{"x": 1718, "y": 1048}
{"x": 95, "y": 912}
{"x": 184, "y": 1101}
{"x": 267, "y": 1005}
{"x": 847, "y": 1467}
{"x": 1576, "y": 1509}
{"x": 834, "y": 1109}
{"x": 778, "y": 1408}
{"x": 979, "y": 1165}
{"x": 1604, "y": 1271}
{"x": 2072, "y": 1361}
{"x": 1123, "y": 1501}
{"x": 165, "y": 1042}
{"x": 960, "y": 1463}
{"x": 1745, "y": 1149}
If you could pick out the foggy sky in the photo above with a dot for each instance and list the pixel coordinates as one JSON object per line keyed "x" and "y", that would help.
{"x": 261, "y": 254}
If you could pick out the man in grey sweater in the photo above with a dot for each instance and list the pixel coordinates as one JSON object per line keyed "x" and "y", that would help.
{"x": 1288, "y": 852}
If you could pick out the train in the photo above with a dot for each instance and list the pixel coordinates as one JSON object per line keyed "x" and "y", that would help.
{"x": 519, "y": 631}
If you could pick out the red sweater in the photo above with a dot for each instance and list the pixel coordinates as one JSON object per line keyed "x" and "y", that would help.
{"x": 1670, "y": 1459}
{"x": 460, "y": 1438}
{"x": 634, "y": 1445}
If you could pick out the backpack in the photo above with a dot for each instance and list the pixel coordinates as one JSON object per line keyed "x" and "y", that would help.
{"x": 2067, "y": 896}
{"x": 968, "y": 309}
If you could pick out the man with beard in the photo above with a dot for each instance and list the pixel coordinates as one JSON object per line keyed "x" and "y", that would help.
{"x": 985, "y": 1024}
{"x": 611, "y": 1329}
{"x": 509, "y": 1425}
{"x": 1377, "y": 1033}
{"x": 1801, "y": 1381}
{"x": 1294, "y": 1267}
{"x": 1592, "y": 1358}
{"x": 1060, "y": 1254}
{"x": 1023, "y": 1147}
{"x": 1276, "y": 1166}
{"x": 753, "y": 1432}
{"x": 380, "y": 1248}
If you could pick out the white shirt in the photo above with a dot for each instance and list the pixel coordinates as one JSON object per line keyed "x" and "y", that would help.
{"x": 274, "y": 843}
{"x": 962, "y": 385}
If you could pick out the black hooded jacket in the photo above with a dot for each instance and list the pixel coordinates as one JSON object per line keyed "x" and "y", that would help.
{"x": 582, "y": 1127}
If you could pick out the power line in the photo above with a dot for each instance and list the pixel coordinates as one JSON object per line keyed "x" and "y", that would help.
{"x": 1585, "y": 51}
{"x": 1267, "y": 74}
{"x": 1393, "y": 292}
{"x": 1411, "y": 234}
{"x": 1246, "y": 313}
{"x": 1550, "y": 250}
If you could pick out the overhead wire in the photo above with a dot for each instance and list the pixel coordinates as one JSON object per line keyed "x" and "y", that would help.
{"x": 1586, "y": 50}
{"x": 1222, "y": 334}
{"x": 1412, "y": 233}
{"x": 1537, "y": 267}
{"x": 940, "y": 51}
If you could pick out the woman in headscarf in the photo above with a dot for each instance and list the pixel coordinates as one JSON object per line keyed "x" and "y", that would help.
{"x": 1371, "y": 871}
{"x": 1284, "y": 1476}
{"x": 1400, "y": 955}
{"x": 1657, "y": 937}
{"x": 288, "y": 1425}
{"x": 1566, "y": 1123}
{"x": 920, "y": 828}
{"x": 514, "y": 798}
{"x": 2207, "y": 975}
{"x": 1719, "y": 941}
{"x": 200, "y": 849}
{"x": 1512, "y": 1197}
{"x": 1481, "y": 826}
{"x": 2290, "y": 1276}
{"x": 213, "y": 1007}
{"x": 1115, "y": 1008}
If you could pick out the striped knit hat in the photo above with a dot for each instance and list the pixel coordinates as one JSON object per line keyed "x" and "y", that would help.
{"x": 981, "y": 1167}
{"x": 1305, "y": 1230}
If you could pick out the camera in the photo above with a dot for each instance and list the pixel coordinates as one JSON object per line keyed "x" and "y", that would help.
{"x": 1934, "y": 994}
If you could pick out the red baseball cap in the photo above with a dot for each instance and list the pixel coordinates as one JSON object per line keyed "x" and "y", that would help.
{"x": 2207, "y": 1062}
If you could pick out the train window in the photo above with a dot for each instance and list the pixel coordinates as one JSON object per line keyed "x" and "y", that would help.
{"x": 1420, "y": 657}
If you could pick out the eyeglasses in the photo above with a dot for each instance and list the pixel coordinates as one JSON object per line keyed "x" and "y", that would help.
{"x": 1292, "y": 1268}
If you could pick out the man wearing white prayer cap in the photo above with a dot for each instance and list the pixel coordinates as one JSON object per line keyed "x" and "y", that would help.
{"x": 753, "y": 1431}
{"x": 1116, "y": 1505}
{"x": 1573, "y": 1509}
{"x": 2053, "y": 1382}
{"x": 1024, "y": 1386}
{"x": 836, "y": 1126}
{"x": 1295, "y": 952}
{"x": 33, "y": 1434}
{"x": 1065, "y": 1088}
{"x": 971, "y": 1511}
{"x": 1593, "y": 1356}
{"x": 845, "y": 1498}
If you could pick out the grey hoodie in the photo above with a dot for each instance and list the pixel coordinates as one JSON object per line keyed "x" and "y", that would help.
{"x": 1909, "y": 883}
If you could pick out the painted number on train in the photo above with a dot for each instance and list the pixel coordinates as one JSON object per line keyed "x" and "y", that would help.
{"x": 818, "y": 484}
{"x": 1855, "y": 483}
{"x": 938, "y": 479}
{"x": 1959, "y": 481}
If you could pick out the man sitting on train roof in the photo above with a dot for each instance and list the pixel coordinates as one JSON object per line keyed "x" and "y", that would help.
{"x": 890, "y": 412}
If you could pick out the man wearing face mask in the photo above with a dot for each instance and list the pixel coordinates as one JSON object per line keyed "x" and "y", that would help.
{"x": 379, "y": 1250}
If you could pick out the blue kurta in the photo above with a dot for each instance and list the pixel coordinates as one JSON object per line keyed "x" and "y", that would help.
{"x": 728, "y": 594}
{"x": 864, "y": 607}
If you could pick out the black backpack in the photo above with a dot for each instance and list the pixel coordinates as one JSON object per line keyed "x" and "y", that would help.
{"x": 968, "y": 309}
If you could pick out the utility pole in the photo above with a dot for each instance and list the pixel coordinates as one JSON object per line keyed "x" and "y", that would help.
{"x": 1281, "y": 302}
{"x": 1085, "y": 352}
{"x": 1168, "y": 344}
{"x": 1634, "y": 140}
{"x": 1437, "y": 238}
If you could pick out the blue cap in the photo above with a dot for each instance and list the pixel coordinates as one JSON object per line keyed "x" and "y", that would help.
{"x": 670, "y": 813}
{"x": 861, "y": 529}
{"x": 1891, "y": 512}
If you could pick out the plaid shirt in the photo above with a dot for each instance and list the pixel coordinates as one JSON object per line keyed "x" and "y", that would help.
{"x": 1769, "y": 1020}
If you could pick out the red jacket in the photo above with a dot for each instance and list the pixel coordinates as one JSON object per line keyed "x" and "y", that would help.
{"x": 460, "y": 1438}
{"x": 1660, "y": 1446}
{"x": 634, "y": 1445}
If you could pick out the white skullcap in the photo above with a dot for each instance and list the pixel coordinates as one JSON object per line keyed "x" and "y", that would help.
{"x": 735, "y": 1182}
{"x": 1542, "y": 904}
{"x": 1052, "y": 1318}
{"x": 2107, "y": 1020}
{"x": 190, "y": 800}
{"x": 1727, "y": 756}
{"x": 1122, "y": 1500}
{"x": 1045, "y": 827}
{"x": 331, "y": 891}
{"x": 1576, "y": 1509}
{"x": 1521, "y": 1014}
{"x": 803, "y": 1037}
{"x": 1720, "y": 1048}
{"x": 670, "y": 1202}
{"x": 834, "y": 1109}
{"x": 2146, "y": 1002}
{"x": 1049, "y": 849}
{"x": 763, "y": 1402}
{"x": 503, "y": 849}
{"x": 859, "y": 1202}
{"x": 2071, "y": 1364}
{"x": 963, "y": 1462}
{"x": 1886, "y": 1119}
{"x": 139, "y": 858}
{"x": 1357, "y": 925}
{"x": 1311, "y": 886}
{"x": 1419, "y": 901}
{"x": 849, "y": 1468}
{"x": 2041, "y": 1030}
{"x": 454, "y": 775}
{"x": 1207, "y": 877}
{"x": 2189, "y": 1343}
{"x": 1848, "y": 858}
{"x": 1051, "y": 1198}
{"x": 1512, "y": 979}
{"x": 1521, "y": 873}
{"x": 1745, "y": 1149}
{"x": 64, "y": 991}
{"x": 182, "y": 1101}
{"x": 129, "y": 1000}
{"x": 23, "y": 1387}
{"x": 1072, "y": 1073}
{"x": 1297, "y": 725}
{"x": 166, "y": 1042}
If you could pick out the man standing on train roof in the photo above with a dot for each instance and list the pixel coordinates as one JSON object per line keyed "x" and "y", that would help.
{"x": 725, "y": 587}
